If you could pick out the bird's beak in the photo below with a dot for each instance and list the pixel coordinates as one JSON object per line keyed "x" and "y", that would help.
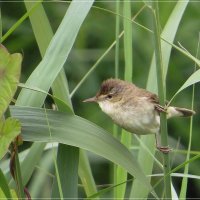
{"x": 92, "y": 99}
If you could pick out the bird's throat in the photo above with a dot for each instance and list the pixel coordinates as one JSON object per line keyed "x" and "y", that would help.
{"x": 107, "y": 107}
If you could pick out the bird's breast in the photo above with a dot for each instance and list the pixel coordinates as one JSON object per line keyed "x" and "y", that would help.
{"x": 140, "y": 119}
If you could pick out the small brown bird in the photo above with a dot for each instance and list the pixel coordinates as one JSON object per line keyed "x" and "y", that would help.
{"x": 134, "y": 109}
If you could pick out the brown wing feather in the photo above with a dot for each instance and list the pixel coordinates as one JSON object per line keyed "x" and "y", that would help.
{"x": 154, "y": 99}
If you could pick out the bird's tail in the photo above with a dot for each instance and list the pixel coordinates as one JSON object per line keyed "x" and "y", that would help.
{"x": 179, "y": 112}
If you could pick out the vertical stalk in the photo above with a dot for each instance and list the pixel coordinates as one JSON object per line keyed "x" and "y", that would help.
{"x": 0, "y": 26}
{"x": 128, "y": 49}
{"x": 121, "y": 174}
{"x": 161, "y": 93}
{"x": 184, "y": 183}
{"x": 16, "y": 171}
{"x": 117, "y": 29}
{"x": 115, "y": 127}
{"x": 15, "y": 168}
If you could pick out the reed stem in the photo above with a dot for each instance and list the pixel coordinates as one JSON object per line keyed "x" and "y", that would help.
{"x": 161, "y": 94}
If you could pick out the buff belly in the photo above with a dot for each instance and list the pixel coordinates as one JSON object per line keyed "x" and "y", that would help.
{"x": 139, "y": 120}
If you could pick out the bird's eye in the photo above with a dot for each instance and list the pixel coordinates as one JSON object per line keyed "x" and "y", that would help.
{"x": 109, "y": 96}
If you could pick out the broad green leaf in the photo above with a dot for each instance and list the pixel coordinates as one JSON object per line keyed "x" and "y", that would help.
{"x": 56, "y": 53}
{"x": 67, "y": 162}
{"x": 194, "y": 78}
{"x": 4, "y": 188}
{"x": 60, "y": 103}
{"x": 43, "y": 172}
{"x": 39, "y": 125}
{"x": 9, "y": 129}
{"x": 60, "y": 89}
{"x": 34, "y": 155}
{"x": 58, "y": 50}
{"x": 13, "y": 195}
{"x": 10, "y": 68}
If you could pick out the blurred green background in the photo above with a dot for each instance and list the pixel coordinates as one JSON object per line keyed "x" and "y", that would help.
{"x": 95, "y": 36}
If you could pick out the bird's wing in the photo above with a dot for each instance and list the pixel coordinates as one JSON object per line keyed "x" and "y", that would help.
{"x": 154, "y": 99}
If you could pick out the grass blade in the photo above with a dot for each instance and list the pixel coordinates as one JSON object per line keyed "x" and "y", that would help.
{"x": 116, "y": 129}
{"x": 103, "y": 191}
{"x": 42, "y": 31}
{"x": 85, "y": 174}
{"x": 168, "y": 34}
{"x": 4, "y": 186}
{"x": 67, "y": 162}
{"x": 186, "y": 170}
{"x": 18, "y": 176}
{"x": 75, "y": 131}
{"x": 43, "y": 41}
{"x": 194, "y": 78}
{"x": 0, "y": 27}
{"x": 161, "y": 93}
{"x": 117, "y": 32}
{"x": 56, "y": 54}
{"x": 28, "y": 164}
{"x": 121, "y": 174}
{"x": 41, "y": 174}
{"x": 18, "y": 23}
{"x": 128, "y": 42}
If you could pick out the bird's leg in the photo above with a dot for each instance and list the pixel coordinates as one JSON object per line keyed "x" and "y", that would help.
{"x": 163, "y": 149}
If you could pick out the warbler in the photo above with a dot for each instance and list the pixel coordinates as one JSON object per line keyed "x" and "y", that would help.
{"x": 134, "y": 109}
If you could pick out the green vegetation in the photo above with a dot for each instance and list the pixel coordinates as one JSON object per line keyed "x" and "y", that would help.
{"x": 70, "y": 149}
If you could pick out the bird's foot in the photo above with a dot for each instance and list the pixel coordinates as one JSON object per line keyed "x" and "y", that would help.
{"x": 165, "y": 149}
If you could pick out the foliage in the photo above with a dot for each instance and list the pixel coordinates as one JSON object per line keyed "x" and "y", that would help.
{"x": 66, "y": 139}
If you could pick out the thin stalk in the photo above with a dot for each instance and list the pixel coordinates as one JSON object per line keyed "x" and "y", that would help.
{"x": 0, "y": 27}
{"x": 19, "y": 22}
{"x": 125, "y": 17}
{"x": 16, "y": 171}
{"x": 115, "y": 127}
{"x": 15, "y": 168}
{"x": 185, "y": 179}
{"x": 186, "y": 170}
{"x": 4, "y": 186}
{"x": 55, "y": 163}
{"x": 161, "y": 93}
{"x": 128, "y": 49}
{"x": 150, "y": 31}
{"x": 117, "y": 29}
{"x": 126, "y": 137}
{"x": 18, "y": 177}
{"x": 176, "y": 169}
